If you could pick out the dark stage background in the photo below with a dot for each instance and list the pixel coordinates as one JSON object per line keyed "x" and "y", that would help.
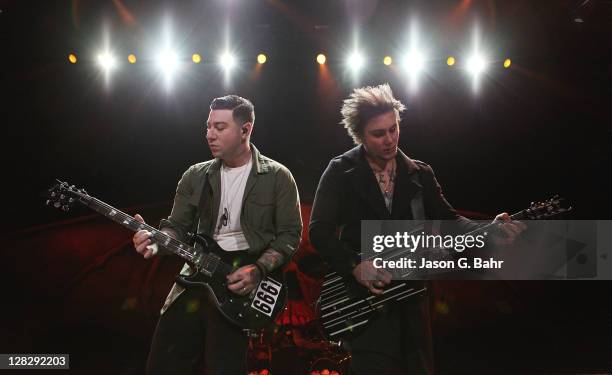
{"x": 72, "y": 282}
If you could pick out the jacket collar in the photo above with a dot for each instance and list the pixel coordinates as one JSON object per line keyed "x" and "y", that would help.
{"x": 260, "y": 162}
{"x": 356, "y": 155}
{"x": 363, "y": 180}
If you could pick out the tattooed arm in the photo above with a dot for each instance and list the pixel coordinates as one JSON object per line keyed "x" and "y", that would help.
{"x": 269, "y": 261}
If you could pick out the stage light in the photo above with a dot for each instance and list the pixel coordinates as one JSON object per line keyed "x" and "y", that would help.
{"x": 507, "y": 63}
{"x": 414, "y": 62}
{"x": 196, "y": 58}
{"x": 106, "y": 61}
{"x": 450, "y": 61}
{"x": 132, "y": 58}
{"x": 387, "y": 60}
{"x": 227, "y": 61}
{"x": 476, "y": 64}
{"x": 168, "y": 62}
{"x": 72, "y": 58}
{"x": 261, "y": 58}
{"x": 321, "y": 58}
{"x": 355, "y": 61}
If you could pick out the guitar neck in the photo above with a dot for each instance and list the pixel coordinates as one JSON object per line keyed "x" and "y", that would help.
{"x": 516, "y": 216}
{"x": 177, "y": 247}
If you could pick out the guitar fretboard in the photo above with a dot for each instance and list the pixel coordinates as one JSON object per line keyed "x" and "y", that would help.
{"x": 443, "y": 252}
{"x": 493, "y": 225}
{"x": 162, "y": 239}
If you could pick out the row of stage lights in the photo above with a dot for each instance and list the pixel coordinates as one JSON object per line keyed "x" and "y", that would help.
{"x": 413, "y": 62}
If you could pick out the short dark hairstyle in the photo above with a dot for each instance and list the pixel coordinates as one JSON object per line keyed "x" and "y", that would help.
{"x": 243, "y": 110}
{"x": 364, "y": 104}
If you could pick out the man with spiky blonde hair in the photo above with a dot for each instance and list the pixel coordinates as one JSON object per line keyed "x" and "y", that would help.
{"x": 377, "y": 181}
{"x": 366, "y": 103}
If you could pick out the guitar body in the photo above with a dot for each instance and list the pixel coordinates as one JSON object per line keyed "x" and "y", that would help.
{"x": 256, "y": 310}
{"x": 345, "y": 307}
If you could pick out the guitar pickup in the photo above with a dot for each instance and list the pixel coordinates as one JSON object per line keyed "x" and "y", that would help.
{"x": 206, "y": 263}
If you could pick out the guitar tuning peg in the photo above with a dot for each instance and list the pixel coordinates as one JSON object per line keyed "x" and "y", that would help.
{"x": 65, "y": 208}
{"x": 48, "y": 202}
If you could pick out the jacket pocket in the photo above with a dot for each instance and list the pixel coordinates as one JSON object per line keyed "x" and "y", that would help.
{"x": 260, "y": 212}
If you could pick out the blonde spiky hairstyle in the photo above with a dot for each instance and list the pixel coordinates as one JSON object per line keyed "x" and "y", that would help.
{"x": 366, "y": 103}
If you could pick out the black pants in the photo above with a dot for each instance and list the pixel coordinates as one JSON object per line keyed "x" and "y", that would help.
{"x": 397, "y": 341}
{"x": 192, "y": 337}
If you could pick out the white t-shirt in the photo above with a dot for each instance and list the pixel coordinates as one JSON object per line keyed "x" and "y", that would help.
{"x": 228, "y": 232}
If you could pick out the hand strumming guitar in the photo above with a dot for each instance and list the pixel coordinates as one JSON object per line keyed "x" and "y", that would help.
{"x": 375, "y": 279}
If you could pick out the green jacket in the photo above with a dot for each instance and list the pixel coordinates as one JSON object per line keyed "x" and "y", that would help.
{"x": 270, "y": 216}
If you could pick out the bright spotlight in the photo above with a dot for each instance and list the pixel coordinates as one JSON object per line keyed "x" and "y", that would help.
{"x": 106, "y": 61}
{"x": 227, "y": 61}
{"x": 387, "y": 60}
{"x": 476, "y": 64}
{"x": 132, "y": 58}
{"x": 261, "y": 58}
{"x": 355, "y": 61}
{"x": 507, "y": 63}
{"x": 414, "y": 62}
{"x": 72, "y": 58}
{"x": 196, "y": 58}
{"x": 167, "y": 61}
{"x": 450, "y": 61}
{"x": 321, "y": 58}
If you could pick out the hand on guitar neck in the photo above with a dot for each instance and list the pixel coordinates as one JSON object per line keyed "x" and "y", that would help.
{"x": 510, "y": 228}
{"x": 143, "y": 243}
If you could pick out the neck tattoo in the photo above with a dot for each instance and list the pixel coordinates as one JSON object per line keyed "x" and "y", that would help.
{"x": 386, "y": 180}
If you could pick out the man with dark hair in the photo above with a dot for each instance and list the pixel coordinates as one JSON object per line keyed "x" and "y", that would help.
{"x": 249, "y": 204}
{"x": 377, "y": 181}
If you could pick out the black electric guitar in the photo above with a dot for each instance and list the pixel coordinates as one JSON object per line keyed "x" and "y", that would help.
{"x": 345, "y": 306}
{"x": 211, "y": 264}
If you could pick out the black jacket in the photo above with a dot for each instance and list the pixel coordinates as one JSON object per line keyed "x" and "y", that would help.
{"x": 348, "y": 193}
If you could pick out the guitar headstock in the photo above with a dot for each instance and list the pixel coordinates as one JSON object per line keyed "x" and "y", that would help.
{"x": 63, "y": 196}
{"x": 546, "y": 209}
